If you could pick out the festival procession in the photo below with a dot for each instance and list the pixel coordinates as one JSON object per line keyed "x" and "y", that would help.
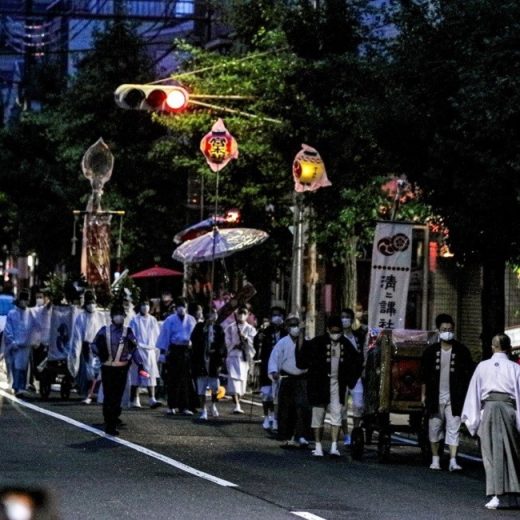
{"x": 268, "y": 303}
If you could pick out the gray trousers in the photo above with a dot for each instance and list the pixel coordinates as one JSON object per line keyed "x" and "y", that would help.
{"x": 500, "y": 445}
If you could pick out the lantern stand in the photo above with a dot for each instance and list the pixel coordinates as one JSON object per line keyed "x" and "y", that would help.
{"x": 309, "y": 175}
{"x": 215, "y": 231}
{"x": 218, "y": 147}
{"x": 298, "y": 246}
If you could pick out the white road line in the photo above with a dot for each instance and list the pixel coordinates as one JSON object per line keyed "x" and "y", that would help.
{"x": 254, "y": 403}
{"x": 117, "y": 440}
{"x": 415, "y": 443}
{"x": 308, "y": 516}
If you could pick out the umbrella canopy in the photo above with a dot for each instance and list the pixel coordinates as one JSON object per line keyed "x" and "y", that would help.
{"x": 156, "y": 272}
{"x": 219, "y": 243}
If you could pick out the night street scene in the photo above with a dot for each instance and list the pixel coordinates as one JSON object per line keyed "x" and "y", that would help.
{"x": 259, "y": 259}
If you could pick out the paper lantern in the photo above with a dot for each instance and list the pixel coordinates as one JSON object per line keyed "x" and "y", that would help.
{"x": 309, "y": 170}
{"x": 219, "y": 146}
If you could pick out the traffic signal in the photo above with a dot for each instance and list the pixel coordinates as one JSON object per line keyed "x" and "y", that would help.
{"x": 166, "y": 98}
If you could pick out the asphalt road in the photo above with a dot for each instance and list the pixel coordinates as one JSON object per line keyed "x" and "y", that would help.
{"x": 245, "y": 474}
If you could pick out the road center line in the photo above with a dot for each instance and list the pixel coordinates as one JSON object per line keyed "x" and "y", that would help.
{"x": 117, "y": 440}
{"x": 306, "y": 515}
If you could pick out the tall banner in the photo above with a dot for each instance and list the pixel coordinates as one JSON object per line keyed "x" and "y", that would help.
{"x": 95, "y": 258}
{"x": 390, "y": 277}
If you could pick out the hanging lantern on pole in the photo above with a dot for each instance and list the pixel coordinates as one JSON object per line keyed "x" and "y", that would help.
{"x": 309, "y": 170}
{"x": 218, "y": 146}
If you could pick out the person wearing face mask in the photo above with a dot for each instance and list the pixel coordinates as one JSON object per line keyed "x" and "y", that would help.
{"x": 356, "y": 338}
{"x": 128, "y": 306}
{"x": 333, "y": 363}
{"x": 42, "y": 312}
{"x": 446, "y": 369}
{"x": 294, "y": 416}
{"x": 116, "y": 347}
{"x": 17, "y": 337}
{"x": 209, "y": 353}
{"x": 166, "y": 305}
{"x": 146, "y": 330}
{"x": 86, "y": 325}
{"x": 264, "y": 343}
{"x": 174, "y": 342}
{"x": 239, "y": 336}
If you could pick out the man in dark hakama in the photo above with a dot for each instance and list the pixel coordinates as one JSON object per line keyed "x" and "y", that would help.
{"x": 491, "y": 410}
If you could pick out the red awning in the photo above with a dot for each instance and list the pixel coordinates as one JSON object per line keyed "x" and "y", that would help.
{"x": 156, "y": 272}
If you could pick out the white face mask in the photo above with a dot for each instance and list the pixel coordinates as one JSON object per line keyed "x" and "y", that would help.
{"x": 242, "y": 318}
{"x": 446, "y": 336}
{"x": 294, "y": 331}
{"x": 335, "y": 337}
{"x": 40, "y": 302}
{"x": 118, "y": 319}
{"x": 90, "y": 307}
{"x": 277, "y": 320}
{"x": 145, "y": 309}
{"x": 346, "y": 322}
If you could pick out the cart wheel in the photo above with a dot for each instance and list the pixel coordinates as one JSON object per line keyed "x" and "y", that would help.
{"x": 45, "y": 386}
{"x": 383, "y": 446}
{"x": 357, "y": 445}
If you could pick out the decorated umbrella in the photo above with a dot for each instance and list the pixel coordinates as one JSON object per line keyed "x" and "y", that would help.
{"x": 156, "y": 272}
{"x": 218, "y": 243}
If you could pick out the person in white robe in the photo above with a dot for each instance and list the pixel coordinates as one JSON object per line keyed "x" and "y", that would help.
{"x": 492, "y": 411}
{"x": 17, "y": 336}
{"x": 239, "y": 337}
{"x": 86, "y": 325}
{"x": 146, "y": 329}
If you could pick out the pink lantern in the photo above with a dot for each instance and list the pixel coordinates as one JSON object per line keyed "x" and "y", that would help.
{"x": 219, "y": 146}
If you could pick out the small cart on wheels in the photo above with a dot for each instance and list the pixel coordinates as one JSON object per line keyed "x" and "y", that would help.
{"x": 392, "y": 386}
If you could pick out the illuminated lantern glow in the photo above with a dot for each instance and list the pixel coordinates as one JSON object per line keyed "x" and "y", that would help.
{"x": 218, "y": 146}
{"x": 309, "y": 170}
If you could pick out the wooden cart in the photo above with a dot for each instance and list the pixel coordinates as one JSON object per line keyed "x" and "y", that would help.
{"x": 392, "y": 386}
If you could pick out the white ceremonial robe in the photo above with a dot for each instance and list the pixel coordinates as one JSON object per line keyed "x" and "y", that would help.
{"x": 86, "y": 326}
{"x": 497, "y": 374}
{"x": 19, "y": 327}
{"x": 237, "y": 366}
{"x": 146, "y": 330}
{"x": 283, "y": 357}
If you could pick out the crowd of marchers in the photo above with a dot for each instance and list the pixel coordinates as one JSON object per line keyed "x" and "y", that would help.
{"x": 198, "y": 357}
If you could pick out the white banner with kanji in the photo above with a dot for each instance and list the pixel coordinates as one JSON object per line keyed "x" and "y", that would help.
{"x": 390, "y": 276}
